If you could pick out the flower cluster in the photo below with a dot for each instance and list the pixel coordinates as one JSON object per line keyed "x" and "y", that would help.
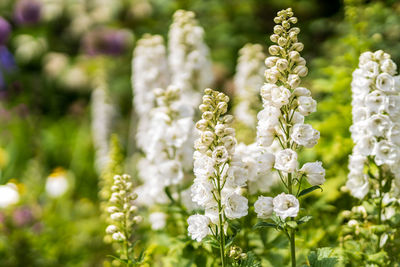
{"x": 122, "y": 211}
{"x": 281, "y": 124}
{"x": 248, "y": 79}
{"x": 188, "y": 58}
{"x": 220, "y": 174}
{"x": 149, "y": 71}
{"x": 168, "y": 150}
{"x": 375, "y": 130}
{"x": 282, "y": 118}
{"x": 103, "y": 113}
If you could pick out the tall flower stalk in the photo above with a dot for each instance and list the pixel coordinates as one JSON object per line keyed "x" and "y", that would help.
{"x": 281, "y": 122}
{"x": 248, "y": 80}
{"x": 123, "y": 218}
{"x": 219, "y": 174}
{"x": 374, "y": 163}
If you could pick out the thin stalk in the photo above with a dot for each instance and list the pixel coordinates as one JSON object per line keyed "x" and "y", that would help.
{"x": 292, "y": 238}
{"x": 379, "y": 208}
{"x": 221, "y": 226}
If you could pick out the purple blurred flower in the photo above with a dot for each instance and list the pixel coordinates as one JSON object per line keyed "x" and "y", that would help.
{"x": 22, "y": 216}
{"x": 5, "y": 30}
{"x": 106, "y": 41}
{"x": 7, "y": 65}
{"x": 27, "y": 11}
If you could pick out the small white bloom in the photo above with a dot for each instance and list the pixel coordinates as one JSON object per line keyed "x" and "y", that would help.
{"x": 111, "y": 229}
{"x": 220, "y": 154}
{"x": 358, "y": 185}
{"x": 286, "y": 160}
{"x": 8, "y": 195}
{"x": 56, "y": 185}
{"x": 305, "y": 135}
{"x": 264, "y": 207}
{"x": 386, "y": 153}
{"x": 286, "y": 205}
{"x": 118, "y": 236}
{"x": 198, "y": 227}
{"x": 236, "y": 206}
{"x": 315, "y": 172}
{"x": 307, "y": 105}
{"x": 202, "y": 192}
{"x": 385, "y": 83}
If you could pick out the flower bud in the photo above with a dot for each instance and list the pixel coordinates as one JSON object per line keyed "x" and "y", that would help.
{"x": 293, "y": 20}
{"x": 207, "y": 91}
{"x": 228, "y": 119}
{"x": 138, "y": 219}
{"x": 118, "y": 236}
{"x": 208, "y": 115}
{"x": 294, "y": 55}
{"x": 294, "y": 80}
{"x": 201, "y": 125}
{"x": 286, "y": 24}
{"x": 117, "y": 216}
{"x": 297, "y": 47}
{"x": 219, "y": 130}
{"x": 111, "y": 229}
{"x": 282, "y": 41}
{"x": 274, "y": 38}
{"x": 270, "y": 61}
{"x": 203, "y": 107}
{"x": 274, "y": 50}
{"x": 301, "y": 70}
{"x": 222, "y": 107}
{"x": 278, "y": 29}
{"x": 301, "y": 61}
{"x": 282, "y": 64}
{"x": 277, "y": 20}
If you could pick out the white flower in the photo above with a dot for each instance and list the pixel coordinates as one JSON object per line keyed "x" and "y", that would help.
{"x": 264, "y": 207}
{"x": 118, "y": 236}
{"x": 158, "y": 220}
{"x": 385, "y": 82}
{"x": 305, "y": 135}
{"x": 286, "y": 160}
{"x": 279, "y": 96}
{"x": 358, "y": 185}
{"x": 56, "y": 185}
{"x": 365, "y": 145}
{"x": 202, "y": 192}
{"x": 171, "y": 172}
{"x": 220, "y": 154}
{"x": 286, "y": 205}
{"x": 386, "y": 153}
{"x": 376, "y": 102}
{"x": 237, "y": 175}
{"x": 198, "y": 227}
{"x": 388, "y": 66}
{"x": 8, "y": 195}
{"x": 379, "y": 124}
{"x": 315, "y": 172}
{"x": 111, "y": 229}
{"x": 307, "y": 105}
{"x": 371, "y": 69}
{"x": 236, "y": 206}
{"x": 394, "y": 134}
{"x": 203, "y": 165}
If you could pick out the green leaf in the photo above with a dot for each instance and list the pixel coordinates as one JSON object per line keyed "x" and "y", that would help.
{"x": 322, "y": 258}
{"x": 304, "y": 219}
{"x": 292, "y": 224}
{"x": 309, "y": 190}
{"x": 264, "y": 224}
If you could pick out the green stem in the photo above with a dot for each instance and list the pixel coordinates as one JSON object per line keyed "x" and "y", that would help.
{"x": 292, "y": 236}
{"x": 221, "y": 224}
{"x": 379, "y": 208}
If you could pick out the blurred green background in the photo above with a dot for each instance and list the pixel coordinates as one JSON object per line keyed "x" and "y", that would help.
{"x": 56, "y": 48}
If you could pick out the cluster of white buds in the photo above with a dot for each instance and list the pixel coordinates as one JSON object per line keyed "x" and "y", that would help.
{"x": 103, "y": 113}
{"x": 248, "y": 79}
{"x": 169, "y": 148}
{"x": 282, "y": 119}
{"x": 149, "y": 71}
{"x": 122, "y": 211}
{"x": 189, "y": 57}
{"x": 220, "y": 174}
{"x": 376, "y": 128}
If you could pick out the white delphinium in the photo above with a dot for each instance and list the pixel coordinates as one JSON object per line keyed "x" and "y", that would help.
{"x": 9, "y": 195}
{"x": 103, "y": 113}
{"x": 189, "y": 57}
{"x": 169, "y": 139}
{"x": 285, "y": 104}
{"x": 248, "y": 80}
{"x": 123, "y": 215}
{"x": 149, "y": 71}
{"x": 57, "y": 183}
{"x": 220, "y": 174}
{"x": 375, "y": 159}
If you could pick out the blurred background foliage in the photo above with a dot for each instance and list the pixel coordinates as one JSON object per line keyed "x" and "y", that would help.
{"x": 47, "y": 67}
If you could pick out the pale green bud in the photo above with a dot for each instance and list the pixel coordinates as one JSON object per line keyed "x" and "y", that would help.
{"x": 222, "y": 107}
{"x": 293, "y": 20}
{"x": 286, "y": 24}
{"x": 282, "y": 41}
{"x": 208, "y": 91}
{"x": 294, "y": 55}
{"x": 270, "y": 61}
{"x": 297, "y": 47}
{"x": 278, "y": 29}
{"x": 208, "y": 115}
{"x": 274, "y": 50}
{"x": 282, "y": 64}
{"x": 301, "y": 70}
